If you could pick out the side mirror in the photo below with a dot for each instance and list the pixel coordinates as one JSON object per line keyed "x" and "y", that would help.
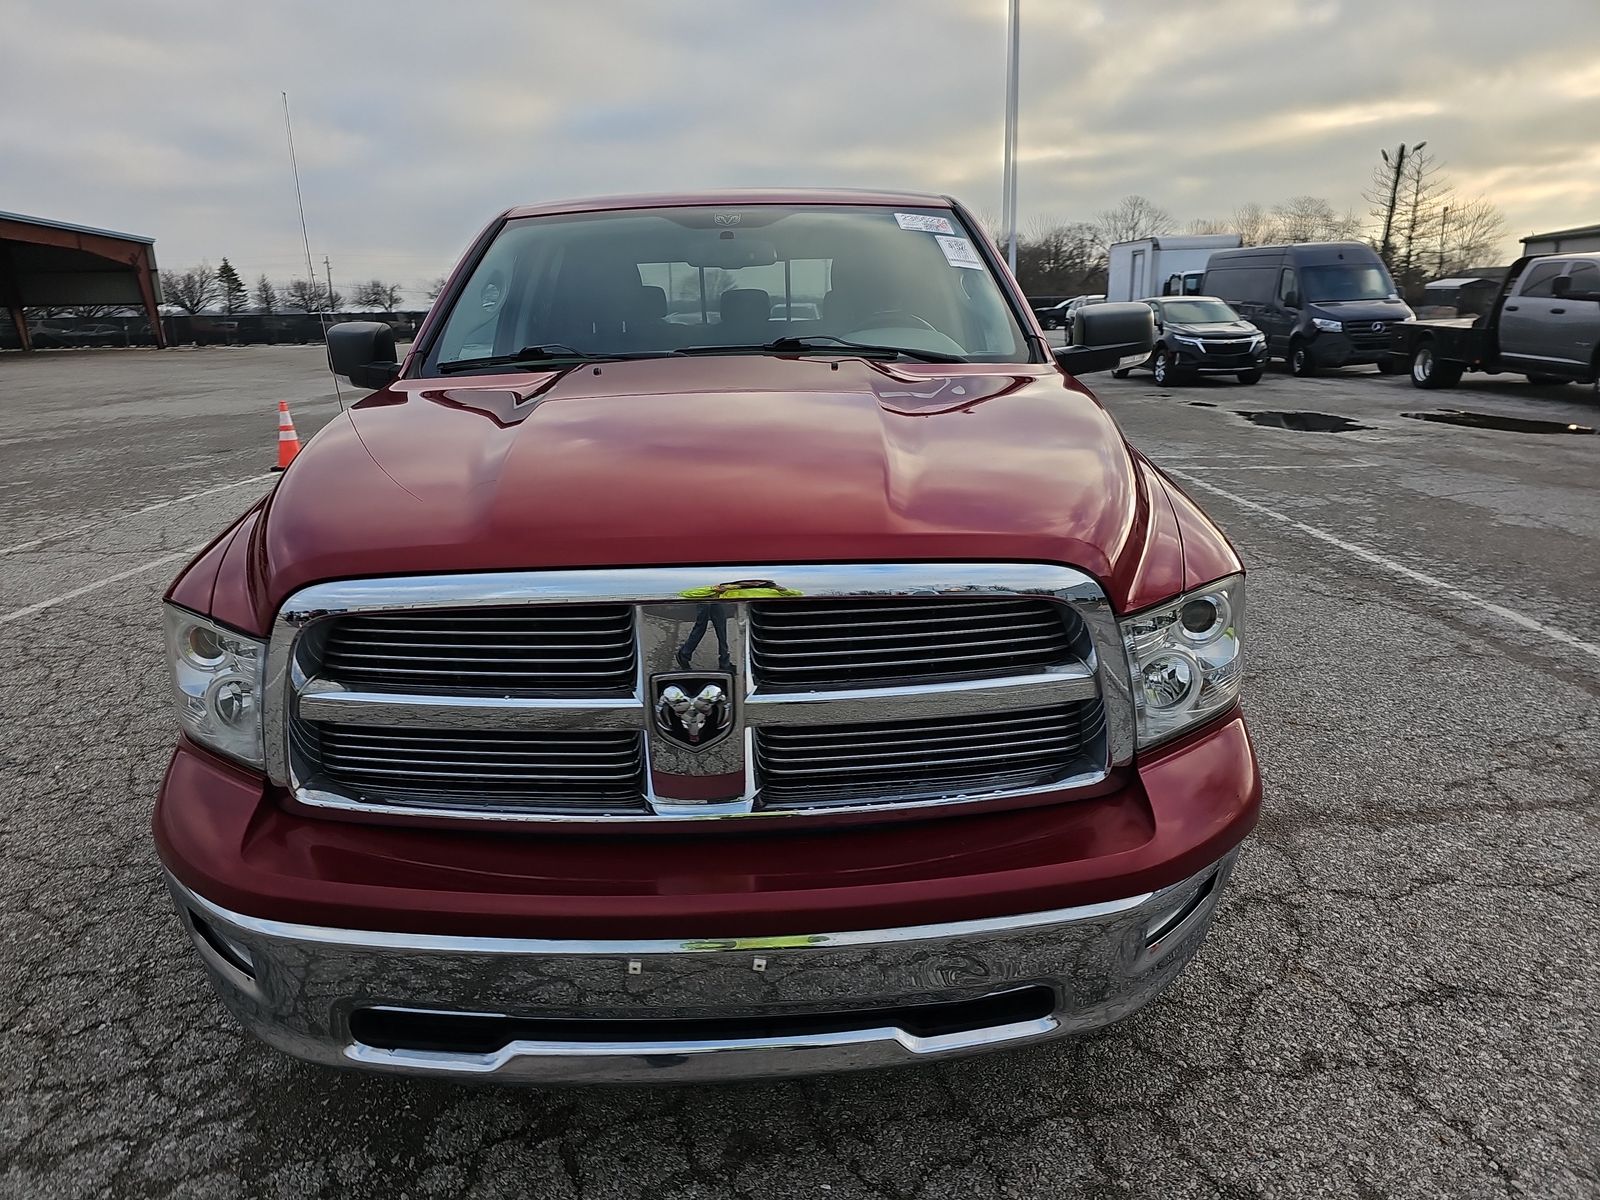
{"x": 1108, "y": 336}
{"x": 1292, "y": 300}
{"x": 1561, "y": 285}
{"x": 363, "y": 352}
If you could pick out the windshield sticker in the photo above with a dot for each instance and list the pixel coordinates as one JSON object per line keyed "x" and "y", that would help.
{"x": 924, "y": 224}
{"x": 959, "y": 252}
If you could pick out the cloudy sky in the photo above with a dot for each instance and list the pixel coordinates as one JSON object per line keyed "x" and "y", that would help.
{"x": 416, "y": 122}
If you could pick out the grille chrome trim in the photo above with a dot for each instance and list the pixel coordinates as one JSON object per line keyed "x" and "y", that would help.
{"x": 294, "y": 692}
{"x": 561, "y": 771}
{"x": 906, "y": 640}
{"x": 534, "y": 651}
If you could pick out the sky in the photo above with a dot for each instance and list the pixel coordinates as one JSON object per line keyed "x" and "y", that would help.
{"x": 415, "y": 123}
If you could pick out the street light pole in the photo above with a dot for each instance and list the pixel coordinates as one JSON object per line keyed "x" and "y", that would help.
{"x": 1398, "y": 162}
{"x": 1009, "y": 168}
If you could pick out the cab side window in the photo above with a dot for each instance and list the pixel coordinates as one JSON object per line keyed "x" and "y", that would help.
{"x": 1584, "y": 277}
{"x": 1288, "y": 289}
{"x": 1541, "y": 279}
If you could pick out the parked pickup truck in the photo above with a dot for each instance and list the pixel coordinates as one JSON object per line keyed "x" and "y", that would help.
{"x": 1545, "y": 324}
{"x": 609, "y": 698}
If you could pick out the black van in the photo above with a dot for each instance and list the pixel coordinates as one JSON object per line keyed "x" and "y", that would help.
{"x": 1321, "y": 304}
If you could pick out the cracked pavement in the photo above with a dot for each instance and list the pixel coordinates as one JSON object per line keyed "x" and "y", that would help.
{"x": 1398, "y": 998}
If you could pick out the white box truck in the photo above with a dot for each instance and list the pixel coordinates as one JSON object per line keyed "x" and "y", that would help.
{"x": 1163, "y": 266}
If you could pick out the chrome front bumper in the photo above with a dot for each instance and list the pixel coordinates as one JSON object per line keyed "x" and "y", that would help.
{"x": 650, "y": 1011}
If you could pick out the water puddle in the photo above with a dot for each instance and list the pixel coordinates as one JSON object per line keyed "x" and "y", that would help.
{"x": 1303, "y": 422}
{"x": 1476, "y": 420}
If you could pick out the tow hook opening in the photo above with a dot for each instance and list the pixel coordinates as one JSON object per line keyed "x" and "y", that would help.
{"x": 234, "y": 953}
{"x": 1164, "y": 926}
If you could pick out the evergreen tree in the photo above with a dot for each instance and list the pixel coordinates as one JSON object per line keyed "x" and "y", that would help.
{"x": 266, "y": 296}
{"x": 234, "y": 295}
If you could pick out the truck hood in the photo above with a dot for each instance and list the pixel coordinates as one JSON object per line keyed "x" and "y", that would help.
{"x": 736, "y": 460}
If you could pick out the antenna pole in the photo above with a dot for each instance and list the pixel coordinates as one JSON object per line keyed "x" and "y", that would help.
{"x": 1013, "y": 55}
{"x": 305, "y": 241}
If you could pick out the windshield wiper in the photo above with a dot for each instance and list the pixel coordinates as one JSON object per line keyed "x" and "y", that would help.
{"x": 547, "y": 352}
{"x": 825, "y": 341}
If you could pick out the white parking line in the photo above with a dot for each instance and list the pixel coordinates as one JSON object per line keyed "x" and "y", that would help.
{"x": 18, "y": 614}
{"x": 221, "y": 487}
{"x": 1389, "y": 564}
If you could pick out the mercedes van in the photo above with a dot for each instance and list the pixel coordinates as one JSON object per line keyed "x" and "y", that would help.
{"x": 1320, "y": 304}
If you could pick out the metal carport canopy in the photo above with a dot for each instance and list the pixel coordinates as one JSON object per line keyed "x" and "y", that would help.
{"x": 51, "y": 263}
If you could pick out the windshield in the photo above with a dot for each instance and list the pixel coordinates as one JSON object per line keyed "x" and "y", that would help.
{"x": 1347, "y": 282}
{"x": 638, "y": 282}
{"x": 1197, "y": 312}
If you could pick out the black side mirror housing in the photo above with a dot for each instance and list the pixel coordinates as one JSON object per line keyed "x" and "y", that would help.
{"x": 1107, "y": 336}
{"x": 363, "y": 352}
{"x": 1292, "y": 300}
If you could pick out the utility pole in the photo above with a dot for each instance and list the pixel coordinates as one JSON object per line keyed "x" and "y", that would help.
{"x": 1009, "y": 167}
{"x": 1398, "y": 162}
{"x": 1444, "y": 227}
{"x": 328, "y": 271}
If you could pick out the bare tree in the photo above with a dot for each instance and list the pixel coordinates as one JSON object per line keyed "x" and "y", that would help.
{"x": 1208, "y": 225}
{"x": 1435, "y": 230}
{"x": 433, "y": 289}
{"x": 310, "y": 296}
{"x": 1303, "y": 219}
{"x": 1056, "y": 258}
{"x": 1134, "y": 217}
{"x": 375, "y": 293}
{"x": 190, "y": 290}
{"x": 1474, "y": 233}
{"x": 91, "y": 311}
{"x": 1252, "y": 224}
{"x": 266, "y": 296}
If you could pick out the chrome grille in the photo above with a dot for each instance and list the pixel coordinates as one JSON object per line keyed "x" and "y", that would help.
{"x": 809, "y": 644}
{"x": 549, "y": 695}
{"x": 832, "y": 764}
{"x": 561, "y": 771}
{"x": 524, "y": 650}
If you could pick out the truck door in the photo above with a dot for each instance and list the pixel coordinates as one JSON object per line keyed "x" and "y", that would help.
{"x": 1529, "y": 333}
{"x": 1576, "y": 331}
{"x": 1136, "y": 288}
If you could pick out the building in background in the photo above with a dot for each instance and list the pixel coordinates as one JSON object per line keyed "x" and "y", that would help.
{"x": 1582, "y": 240}
{"x": 51, "y": 264}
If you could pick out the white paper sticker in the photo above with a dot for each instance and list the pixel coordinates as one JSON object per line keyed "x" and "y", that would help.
{"x": 924, "y": 224}
{"x": 959, "y": 252}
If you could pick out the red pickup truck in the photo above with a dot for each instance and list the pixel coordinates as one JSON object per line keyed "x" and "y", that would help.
{"x": 729, "y": 643}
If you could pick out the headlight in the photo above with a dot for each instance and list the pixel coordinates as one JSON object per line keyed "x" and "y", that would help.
{"x": 216, "y": 681}
{"x": 1185, "y": 659}
{"x": 1192, "y": 341}
{"x": 1328, "y": 326}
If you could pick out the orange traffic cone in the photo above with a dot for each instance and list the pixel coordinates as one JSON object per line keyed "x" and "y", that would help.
{"x": 288, "y": 439}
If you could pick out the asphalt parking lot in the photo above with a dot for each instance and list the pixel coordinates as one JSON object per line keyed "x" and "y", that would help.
{"x": 1398, "y": 999}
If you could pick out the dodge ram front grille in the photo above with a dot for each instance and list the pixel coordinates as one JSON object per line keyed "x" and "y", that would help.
{"x": 854, "y": 643}
{"x": 832, "y": 764}
{"x": 672, "y": 694}
{"x": 534, "y": 651}
{"x": 560, "y": 771}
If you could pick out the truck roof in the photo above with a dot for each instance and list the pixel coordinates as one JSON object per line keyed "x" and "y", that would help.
{"x": 734, "y": 196}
